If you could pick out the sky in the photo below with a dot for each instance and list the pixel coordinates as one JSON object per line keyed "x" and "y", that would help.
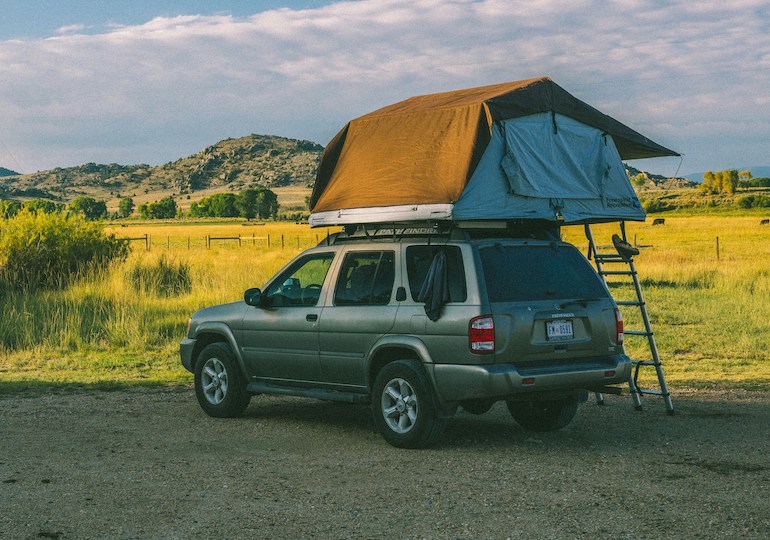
{"x": 144, "y": 81}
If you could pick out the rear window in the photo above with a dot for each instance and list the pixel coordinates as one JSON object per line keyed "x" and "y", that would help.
{"x": 525, "y": 273}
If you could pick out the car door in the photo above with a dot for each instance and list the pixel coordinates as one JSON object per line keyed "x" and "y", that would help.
{"x": 280, "y": 338}
{"x": 362, "y": 311}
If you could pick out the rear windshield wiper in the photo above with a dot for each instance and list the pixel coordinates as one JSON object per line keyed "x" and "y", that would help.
{"x": 582, "y": 302}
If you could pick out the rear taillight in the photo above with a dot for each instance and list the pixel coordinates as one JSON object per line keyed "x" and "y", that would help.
{"x": 481, "y": 335}
{"x": 619, "y": 326}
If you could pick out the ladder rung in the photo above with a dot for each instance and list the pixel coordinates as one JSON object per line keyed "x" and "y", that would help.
{"x": 617, "y": 273}
{"x": 608, "y": 257}
{"x": 629, "y": 303}
{"x": 644, "y": 363}
{"x": 653, "y": 392}
{"x": 637, "y": 333}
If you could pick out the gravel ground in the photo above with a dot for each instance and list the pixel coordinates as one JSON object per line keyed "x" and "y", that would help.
{"x": 147, "y": 463}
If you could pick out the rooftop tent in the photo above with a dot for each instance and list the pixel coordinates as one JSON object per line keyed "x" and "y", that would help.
{"x": 520, "y": 150}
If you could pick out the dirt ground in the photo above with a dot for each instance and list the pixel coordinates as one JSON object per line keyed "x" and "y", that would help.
{"x": 147, "y": 463}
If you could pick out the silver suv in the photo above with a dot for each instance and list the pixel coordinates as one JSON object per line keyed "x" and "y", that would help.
{"x": 418, "y": 323}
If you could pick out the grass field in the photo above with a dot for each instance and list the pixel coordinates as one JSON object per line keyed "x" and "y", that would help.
{"x": 711, "y": 315}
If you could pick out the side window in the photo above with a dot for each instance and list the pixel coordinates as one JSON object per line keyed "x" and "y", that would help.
{"x": 366, "y": 278}
{"x": 419, "y": 260}
{"x": 300, "y": 284}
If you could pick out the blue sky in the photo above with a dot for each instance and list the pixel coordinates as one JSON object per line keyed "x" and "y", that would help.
{"x": 149, "y": 82}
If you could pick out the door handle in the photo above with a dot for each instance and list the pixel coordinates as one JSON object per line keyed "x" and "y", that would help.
{"x": 311, "y": 317}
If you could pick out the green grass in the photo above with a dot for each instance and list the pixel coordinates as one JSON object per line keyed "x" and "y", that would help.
{"x": 711, "y": 317}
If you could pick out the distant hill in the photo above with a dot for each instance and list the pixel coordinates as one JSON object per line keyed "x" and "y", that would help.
{"x": 229, "y": 165}
{"x": 756, "y": 172}
{"x": 7, "y": 172}
{"x": 656, "y": 181}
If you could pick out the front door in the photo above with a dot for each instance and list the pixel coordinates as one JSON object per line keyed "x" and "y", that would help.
{"x": 280, "y": 339}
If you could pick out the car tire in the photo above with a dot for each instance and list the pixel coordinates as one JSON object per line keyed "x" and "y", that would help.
{"x": 219, "y": 383}
{"x": 543, "y": 415}
{"x": 404, "y": 406}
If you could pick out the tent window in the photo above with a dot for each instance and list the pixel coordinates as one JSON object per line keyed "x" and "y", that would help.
{"x": 545, "y": 162}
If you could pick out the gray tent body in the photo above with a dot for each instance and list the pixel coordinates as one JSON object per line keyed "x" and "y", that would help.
{"x": 550, "y": 167}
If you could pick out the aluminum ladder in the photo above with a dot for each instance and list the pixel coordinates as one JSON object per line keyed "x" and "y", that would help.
{"x": 624, "y": 255}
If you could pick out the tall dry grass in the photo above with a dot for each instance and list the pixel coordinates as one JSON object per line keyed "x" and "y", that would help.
{"x": 112, "y": 325}
{"x": 711, "y": 317}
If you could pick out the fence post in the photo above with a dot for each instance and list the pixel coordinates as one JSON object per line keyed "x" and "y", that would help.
{"x": 147, "y": 242}
{"x": 282, "y": 242}
{"x": 268, "y": 241}
{"x": 239, "y": 240}
{"x": 168, "y": 242}
{"x": 717, "y": 248}
{"x": 188, "y": 242}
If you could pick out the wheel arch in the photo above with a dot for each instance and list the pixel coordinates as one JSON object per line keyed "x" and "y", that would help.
{"x": 208, "y": 333}
{"x": 392, "y": 348}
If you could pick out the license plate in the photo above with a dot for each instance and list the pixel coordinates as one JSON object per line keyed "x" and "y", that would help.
{"x": 559, "y": 330}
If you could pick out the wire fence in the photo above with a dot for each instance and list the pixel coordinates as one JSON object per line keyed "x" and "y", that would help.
{"x": 283, "y": 241}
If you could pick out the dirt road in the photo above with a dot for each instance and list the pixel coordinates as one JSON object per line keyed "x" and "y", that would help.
{"x": 147, "y": 463}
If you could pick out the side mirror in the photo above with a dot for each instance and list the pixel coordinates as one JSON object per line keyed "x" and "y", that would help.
{"x": 253, "y": 297}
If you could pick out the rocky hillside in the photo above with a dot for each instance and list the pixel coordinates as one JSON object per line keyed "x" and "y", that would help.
{"x": 656, "y": 181}
{"x": 229, "y": 165}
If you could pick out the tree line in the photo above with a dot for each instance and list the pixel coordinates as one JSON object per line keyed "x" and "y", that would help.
{"x": 730, "y": 181}
{"x": 250, "y": 203}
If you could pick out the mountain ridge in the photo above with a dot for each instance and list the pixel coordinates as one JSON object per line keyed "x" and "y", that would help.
{"x": 229, "y": 165}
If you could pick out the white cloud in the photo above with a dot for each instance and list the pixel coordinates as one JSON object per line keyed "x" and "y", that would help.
{"x": 71, "y": 29}
{"x": 159, "y": 90}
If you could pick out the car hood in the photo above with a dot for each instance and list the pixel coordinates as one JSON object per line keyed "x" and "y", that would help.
{"x": 230, "y": 314}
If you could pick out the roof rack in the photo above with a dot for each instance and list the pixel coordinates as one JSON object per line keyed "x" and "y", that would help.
{"x": 447, "y": 230}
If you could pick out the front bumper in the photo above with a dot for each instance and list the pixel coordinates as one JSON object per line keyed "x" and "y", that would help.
{"x": 462, "y": 382}
{"x": 186, "y": 348}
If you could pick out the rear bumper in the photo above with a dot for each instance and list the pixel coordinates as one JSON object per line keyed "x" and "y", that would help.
{"x": 462, "y": 382}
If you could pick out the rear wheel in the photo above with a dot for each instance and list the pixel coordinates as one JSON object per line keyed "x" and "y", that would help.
{"x": 404, "y": 408}
{"x": 543, "y": 415}
{"x": 219, "y": 384}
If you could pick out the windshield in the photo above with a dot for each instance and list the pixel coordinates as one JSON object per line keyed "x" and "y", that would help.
{"x": 547, "y": 272}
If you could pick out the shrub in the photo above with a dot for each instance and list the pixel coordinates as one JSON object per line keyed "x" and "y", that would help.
{"x": 654, "y": 205}
{"x": 754, "y": 201}
{"x": 41, "y": 250}
{"x": 164, "y": 277}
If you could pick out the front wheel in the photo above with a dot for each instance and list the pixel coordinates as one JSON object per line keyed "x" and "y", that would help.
{"x": 404, "y": 408}
{"x": 219, "y": 384}
{"x": 543, "y": 415}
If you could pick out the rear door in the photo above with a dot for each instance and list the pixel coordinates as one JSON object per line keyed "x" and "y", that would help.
{"x": 363, "y": 310}
{"x": 548, "y": 303}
